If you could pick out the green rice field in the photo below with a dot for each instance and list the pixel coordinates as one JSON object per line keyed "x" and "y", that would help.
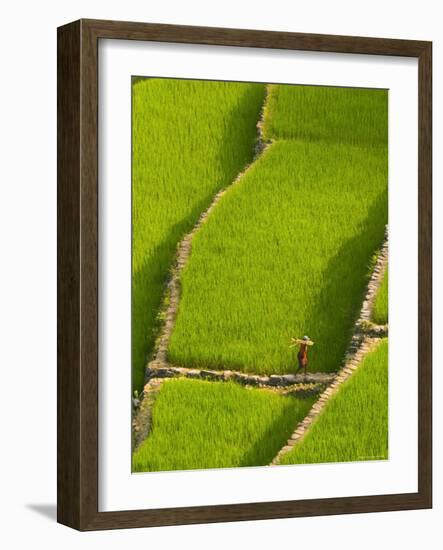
{"x": 200, "y": 424}
{"x": 190, "y": 139}
{"x": 287, "y": 250}
{"x": 354, "y": 116}
{"x": 380, "y": 313}
{"x": 354, "y": 424}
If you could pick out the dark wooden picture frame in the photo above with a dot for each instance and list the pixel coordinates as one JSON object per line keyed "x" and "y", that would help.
{"x": 77, "y": 173}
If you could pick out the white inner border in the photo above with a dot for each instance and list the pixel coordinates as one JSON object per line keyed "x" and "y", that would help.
{"x": 118, "y": 488}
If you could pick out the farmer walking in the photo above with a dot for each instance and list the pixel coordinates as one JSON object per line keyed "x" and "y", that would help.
{"x": 302, "y": 354}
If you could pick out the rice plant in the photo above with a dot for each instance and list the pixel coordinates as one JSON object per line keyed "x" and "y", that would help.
{"x": 354, "y": 116}
{"x": 286, "y": 252}
{"x": 190, "y": 139}
{"x": 380, "y": 312}
{"x": 199, "y": 424}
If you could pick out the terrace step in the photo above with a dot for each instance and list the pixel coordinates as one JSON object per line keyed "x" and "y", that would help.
{"x": 158, "y": 369}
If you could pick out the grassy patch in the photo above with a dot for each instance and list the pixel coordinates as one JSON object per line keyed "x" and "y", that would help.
{"x": 318, "y": 113}
{"x": 354, "y": 423}
{"x": 190, "y": 139}
{"x": 198, "y": 424}
{"x": 286, "y": 252}
{"x": 380, "y": 312}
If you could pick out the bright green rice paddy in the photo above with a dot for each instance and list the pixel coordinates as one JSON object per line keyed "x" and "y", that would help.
{"x": 199, "y": 424}
{"x": 354, "y": 424}
{"x": 287, "y": 250}
{"x": 335, "y": 115}
{"x": 190, "y": 139}
{"x": 380, "y": 312}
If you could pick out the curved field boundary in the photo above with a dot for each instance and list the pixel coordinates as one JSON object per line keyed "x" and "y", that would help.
{"x": 366, "y": 337}
{"x": 172, "y": 295}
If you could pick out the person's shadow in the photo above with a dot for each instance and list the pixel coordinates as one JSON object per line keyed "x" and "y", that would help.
{"x": 48, "y": 511}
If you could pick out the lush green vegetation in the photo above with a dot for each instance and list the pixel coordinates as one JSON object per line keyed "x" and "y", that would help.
{"x": 340, "y": 115}
{"x": 354, "y": 424}
{"x": 190, "y": 139}
{"x": 199, "y": 424}
{"x": 380, "y": 313}
{"x": 286, "y": 252}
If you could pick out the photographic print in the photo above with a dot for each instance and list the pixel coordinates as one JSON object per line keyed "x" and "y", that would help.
{"x": 259, "y": 274}
{"x": 222, "y": 265}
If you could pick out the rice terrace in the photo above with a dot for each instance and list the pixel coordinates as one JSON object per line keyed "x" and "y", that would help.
{"x": 259, "y": 274}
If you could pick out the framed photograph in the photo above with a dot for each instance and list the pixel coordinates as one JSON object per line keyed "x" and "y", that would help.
{"x": 244, "y": 274}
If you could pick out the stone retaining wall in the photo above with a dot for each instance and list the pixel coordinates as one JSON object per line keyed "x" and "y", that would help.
{"x": 142, "y": 420}
{"x": 164, "y": 370}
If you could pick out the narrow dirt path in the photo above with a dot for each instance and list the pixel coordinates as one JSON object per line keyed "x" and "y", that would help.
{"x": 248, "y": 379}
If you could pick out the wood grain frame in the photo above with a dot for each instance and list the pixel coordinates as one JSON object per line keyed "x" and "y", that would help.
{"x": 77, "y": 353}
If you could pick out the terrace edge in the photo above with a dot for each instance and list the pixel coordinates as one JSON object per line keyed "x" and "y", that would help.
{"x": 77, "y": 252}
